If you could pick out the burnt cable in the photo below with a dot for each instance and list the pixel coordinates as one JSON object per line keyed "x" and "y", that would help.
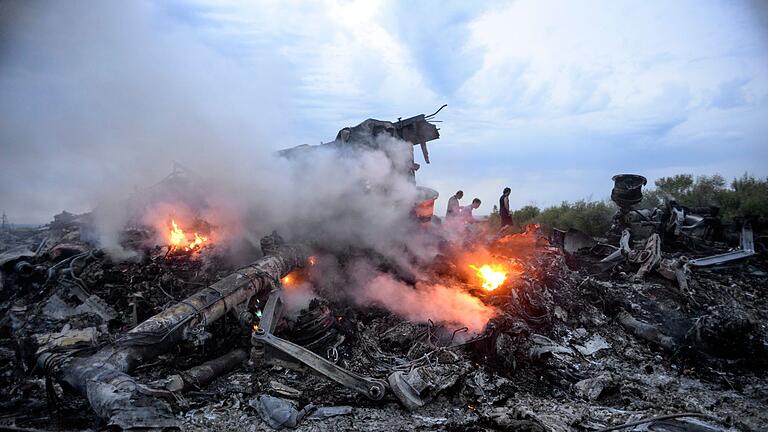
{"x": 657, "y": 418}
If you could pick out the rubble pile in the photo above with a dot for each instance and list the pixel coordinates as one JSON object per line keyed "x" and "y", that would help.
{"x": 658, "y": 327}
{"x": 567, "y": 350}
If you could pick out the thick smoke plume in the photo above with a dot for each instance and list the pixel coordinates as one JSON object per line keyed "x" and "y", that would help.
{"x": 132, "y": 91}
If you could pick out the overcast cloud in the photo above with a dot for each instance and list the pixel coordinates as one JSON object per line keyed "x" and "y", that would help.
{"x": 549, "y": 98}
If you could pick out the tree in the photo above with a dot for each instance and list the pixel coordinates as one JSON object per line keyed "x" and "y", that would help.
{"x": 526, "y": 215}
{"x": 494, "y": 219}
{"x": 677, "y": 186}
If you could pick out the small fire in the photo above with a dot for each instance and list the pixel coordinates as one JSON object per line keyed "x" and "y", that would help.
{"x": 178, "y": 239}
{"x": 288, "y": 280}
{"x": 492, "y": 276}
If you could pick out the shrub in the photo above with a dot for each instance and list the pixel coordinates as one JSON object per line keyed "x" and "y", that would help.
{"x": 746, "y": 196}
{"x": 592, "y": 217}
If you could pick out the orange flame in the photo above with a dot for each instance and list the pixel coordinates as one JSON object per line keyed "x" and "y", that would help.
{"x": 177, "y": 239}
{"x": 491, "y": 275}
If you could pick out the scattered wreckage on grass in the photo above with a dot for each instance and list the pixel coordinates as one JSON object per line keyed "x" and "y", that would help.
{"x": 584, "y": 334}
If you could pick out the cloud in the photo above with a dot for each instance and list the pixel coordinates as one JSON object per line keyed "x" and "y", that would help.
{"x": 595, "y": 89}
{"x": 536, "y": 89}
{"x": 730, "y": 94}
{"x": 348, "y": 64}
{"x": 102, "y": 97}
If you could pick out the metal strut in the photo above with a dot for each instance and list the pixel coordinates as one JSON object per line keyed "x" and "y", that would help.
{"x": 262, "y": 337}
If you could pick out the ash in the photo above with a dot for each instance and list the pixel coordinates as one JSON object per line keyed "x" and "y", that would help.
{"x": 426, "y": 325}
{"x": 570, "y": 347}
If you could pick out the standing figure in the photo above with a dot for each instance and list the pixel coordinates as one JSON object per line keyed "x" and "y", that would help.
{"x": 453, "y": 205}
{"x": 466, "y": 212}
{"x": 506, "y": 217}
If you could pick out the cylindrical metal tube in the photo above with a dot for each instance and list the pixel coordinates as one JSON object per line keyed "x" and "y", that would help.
{"x": 103, "y": 377}
{"x": 203, "y": 374}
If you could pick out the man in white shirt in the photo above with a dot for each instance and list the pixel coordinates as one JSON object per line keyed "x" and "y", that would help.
{"x": 466, "y": 212}
{"x": 453, "y": 205}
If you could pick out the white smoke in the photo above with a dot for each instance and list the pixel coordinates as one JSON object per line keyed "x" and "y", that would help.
{"x": 436, "y": 302}
{"x": 104, "y": 96}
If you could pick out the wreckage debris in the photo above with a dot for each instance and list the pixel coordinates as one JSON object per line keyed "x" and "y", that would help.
{"x": 103, "y": 378}
{"x": 202, "y": 375}
{"x": 585, "y": 334}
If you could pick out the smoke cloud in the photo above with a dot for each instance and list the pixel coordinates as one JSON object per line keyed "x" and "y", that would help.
{"x": 438, "y": 303}
{"x": 98, "y": 98}
{"x": 103, "y": 97}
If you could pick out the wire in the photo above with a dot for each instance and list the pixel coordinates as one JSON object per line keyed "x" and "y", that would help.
{"x": 435, "y": 113}
{"x": 657, "y": 418}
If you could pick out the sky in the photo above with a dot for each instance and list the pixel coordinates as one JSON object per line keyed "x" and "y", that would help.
{"x": 550, "y": 98}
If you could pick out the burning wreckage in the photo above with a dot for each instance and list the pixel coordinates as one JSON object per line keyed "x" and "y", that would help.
{"x": 660, "y": 326}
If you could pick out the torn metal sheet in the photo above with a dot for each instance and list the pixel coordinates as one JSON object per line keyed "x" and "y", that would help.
{"x": 593, "y": 345}
{"x": 746, "y": 250}
{"x": 67, "y": 338}
{"x": 16, "y": 254}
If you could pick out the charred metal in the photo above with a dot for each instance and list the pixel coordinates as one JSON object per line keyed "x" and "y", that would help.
{"x": 659, "y": 324}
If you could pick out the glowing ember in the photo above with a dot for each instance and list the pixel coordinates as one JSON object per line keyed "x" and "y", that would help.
{"x": 177, "y": 239}
{"x": 287, "y": 280}
{"x": 492, "y": 276}
{"x": 312, "y": 260}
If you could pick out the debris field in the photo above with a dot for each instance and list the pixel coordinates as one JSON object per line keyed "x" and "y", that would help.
{"x": 659, "y": 326}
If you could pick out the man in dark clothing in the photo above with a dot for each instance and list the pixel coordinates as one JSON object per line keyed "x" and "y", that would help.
{"x": 506, "y": 217}
{"x": 453, "y": 205}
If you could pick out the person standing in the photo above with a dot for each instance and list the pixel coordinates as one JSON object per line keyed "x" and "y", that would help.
{"x": 453, "y": 205}
{"x": 466, "y": 212}
{"x": 506, "y": 216}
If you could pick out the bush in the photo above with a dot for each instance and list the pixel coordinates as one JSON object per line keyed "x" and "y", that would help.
{"x": 526, "y": 215}
{"x": 592, "y": 217}
{"x": 746, "y": 196}
{"x": 494, "y": 219}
